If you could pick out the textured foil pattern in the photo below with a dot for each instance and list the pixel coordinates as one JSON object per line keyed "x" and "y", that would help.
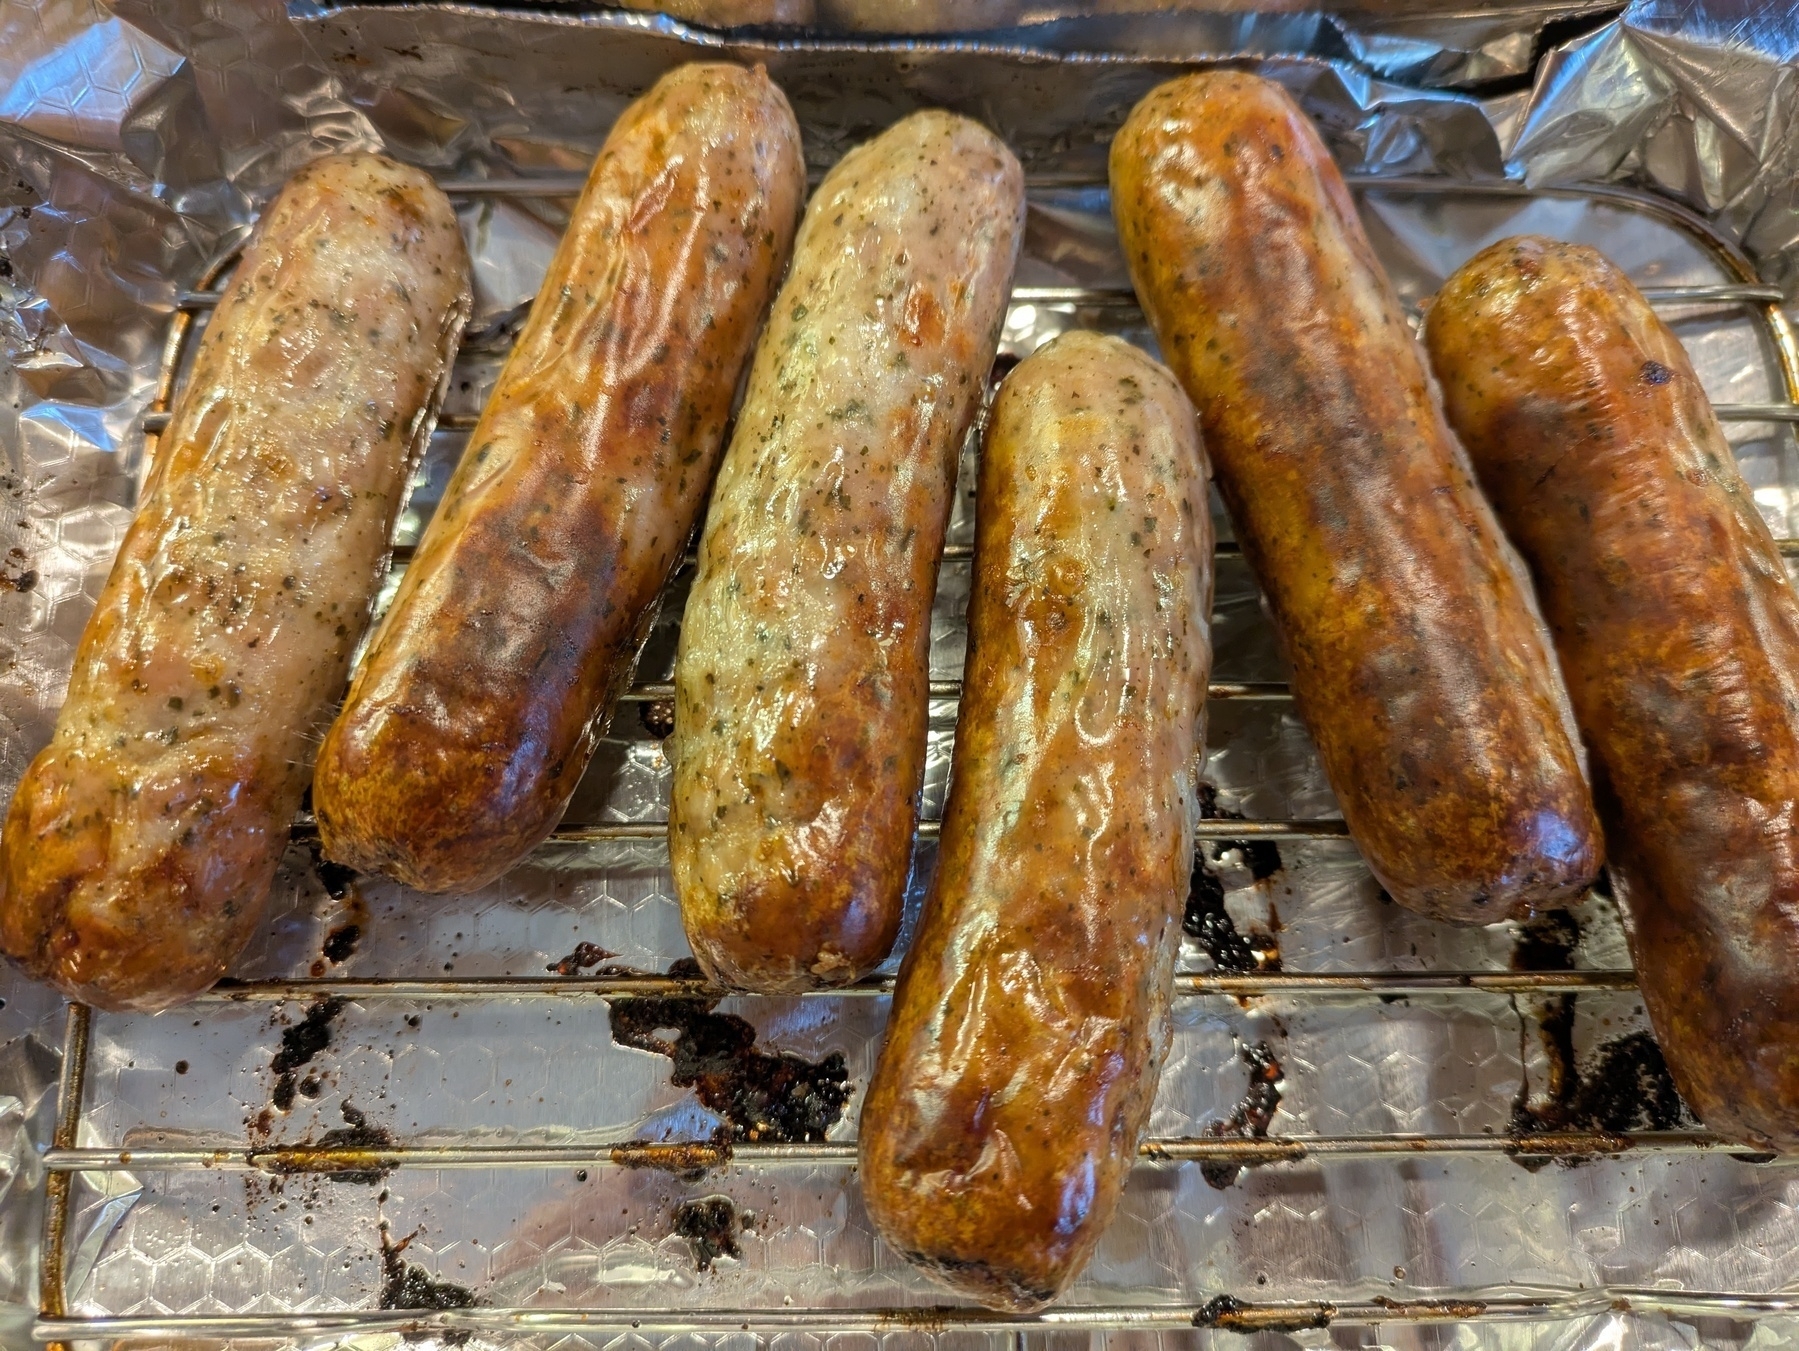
{"x": 136, "y": 143}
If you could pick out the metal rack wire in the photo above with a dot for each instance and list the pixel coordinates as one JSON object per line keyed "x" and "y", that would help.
{"x": 65, "y": 1160}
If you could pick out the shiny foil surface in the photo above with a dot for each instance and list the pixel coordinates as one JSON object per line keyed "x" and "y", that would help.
{"x": 136, "y": 144}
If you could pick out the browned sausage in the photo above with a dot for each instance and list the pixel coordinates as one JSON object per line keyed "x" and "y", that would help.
{"x": 142, "y": 841}
{"x": 471, "y": 719}
{"x": 801, "y": 681}
{"x": 731, "y": 13}
{"x": 1031, "y": 1019}
{"x": 1679, "y": 633}
{"x": 1418, "y": 664}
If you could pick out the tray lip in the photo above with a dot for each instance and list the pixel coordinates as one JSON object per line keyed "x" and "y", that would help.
{"x": 55, "y": 1324}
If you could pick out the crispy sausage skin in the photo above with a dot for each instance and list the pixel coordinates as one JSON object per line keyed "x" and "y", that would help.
{"x": 801, "y": 679}
{"x": 1418, "y": 664}
{"x": 488, "y": 683}
{"x": 1679, "y": 634}
{"x": 1031, "y": 1019}
{"x": 142, "y": 841}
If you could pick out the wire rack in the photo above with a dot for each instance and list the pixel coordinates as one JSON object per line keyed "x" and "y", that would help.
{"x": 65, "y": 1159}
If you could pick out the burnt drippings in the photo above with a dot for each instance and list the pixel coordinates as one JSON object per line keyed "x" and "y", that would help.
{"x": 357, "y": 1134}
{"x": 339, "y": 884}
{"x": 1463, "y": 1309}
{"x": 299, "y": 1044}
{"x": 340, "y": 943}
{"x": 1547, "y": 942}
{"x": 405, "y": 1285}
{"x": 1216, "y": 1309}
{"x": 1625, "y": 1086}
{"x": 710, "y": 1224}
{"x": 1254, "y": 1112}
{"x": 687, "y": 1159}
{"x": 584, "y": 957}
{"x": 1209, "y": 924}
{"x": 1261, "y": 857}
{"x": 1234, "y": 1315}
{"x": 337, "y": 880}
{"x": 776, "y": 1097}
{"x": 1206, "y": 920}
{"x": 16, "y": 570}
{"x": 657, "y": 717}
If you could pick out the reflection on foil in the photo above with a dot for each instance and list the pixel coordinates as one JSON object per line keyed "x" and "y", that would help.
{"x": 81, "y": 84}
{"x": 27, "y": 1084}
{"x": 102, "y": 1201}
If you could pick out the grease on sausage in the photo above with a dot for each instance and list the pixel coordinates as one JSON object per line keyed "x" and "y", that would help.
{"x": 141, "y": 843}
{"x": 1417, "y": 662}
{"x": 1679, "y": 633}
{"x": 518, "y": 624}
{"x": 801, "y": 680}
{"x": 1031, "y": 1019}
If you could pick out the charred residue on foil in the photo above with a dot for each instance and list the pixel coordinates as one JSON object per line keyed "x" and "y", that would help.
{"x": 1261, "y": 857}
{"x": 299, "y": 1044}
{"x": 353, "y": 1152}
{"x": 1624, "y": 1086}
{"x": 341, "y": 938}
{"x": 762, "y": 1096}
{"x": 710, "y": 1224}
{"x": 1251, "y": 1117}
{"x": 340, "y": 943}
{"x": 1235, "y": 1315}
{"x": 406, "y": 1285}
{"x": 687, "y": 1159}
{"x": 771, "y": 1097}
{"x": 16, "y": 570}
{"x": 582, "y": 959}
{"x": 1206, "y": 920}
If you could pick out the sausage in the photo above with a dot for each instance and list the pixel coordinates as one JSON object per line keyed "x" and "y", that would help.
{"x": 802, "y": 671}
{"x": 1418, "y": 662}
{"x": 1679, "y": 634}
{"x": 1032, "y": 1014}
{"x": 731, "y": 13}
{"x": 141, "y": 843}
{"x": 517, "y": 626}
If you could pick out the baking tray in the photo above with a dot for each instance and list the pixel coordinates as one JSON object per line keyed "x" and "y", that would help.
{"x": 1356, "y": 1134}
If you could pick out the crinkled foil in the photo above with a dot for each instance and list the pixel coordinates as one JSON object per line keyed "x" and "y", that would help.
{"x": 136, "y": 143}
{"x": 1421, "y": 41}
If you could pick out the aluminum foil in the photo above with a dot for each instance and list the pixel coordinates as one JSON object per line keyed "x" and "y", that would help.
{"x": 1420, "y": 41}
{"x": 136, "y": 142}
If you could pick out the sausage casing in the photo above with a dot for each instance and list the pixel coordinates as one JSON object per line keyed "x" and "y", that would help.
{"x": 1417, "y": 662}
{"x": 478, "y": 706}
{"x": 1031, "y": 1019}
{"x": 1679, "y": 634}
{"x": 732, "y": 13}
{"x": 142, "y": 841}
{"x": 802, "y": 674}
